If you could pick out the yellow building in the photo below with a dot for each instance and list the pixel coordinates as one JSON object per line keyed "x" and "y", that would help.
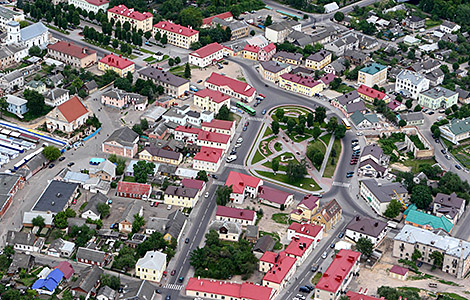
{"x": 151, "y": 266}
{"x": 272, "y": 71}
{"x": 318, "y": 60}
{"x": 118, "y": 64}
{"x": 249, "y": 52}
{"x": 37, "y": 86}
{"x": 372, "y": 74}
{"x": 211, "y": 100}
{"x": 328, "y": 215}
{"x": 305, "y": 209}
{"x": 181, "y": 196}
{"x": 288, "y": 58}
{"x": 177, "y": 35}
{"x": 137, "y": 19}
{"x": 303, "y": 85}
{"x": 152, "y": 153}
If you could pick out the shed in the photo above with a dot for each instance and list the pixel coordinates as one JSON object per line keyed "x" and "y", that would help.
{"x": 398, "y": 272}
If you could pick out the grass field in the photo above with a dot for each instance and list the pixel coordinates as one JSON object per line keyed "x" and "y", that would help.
{"x": 326, "y": 138}
{"x": 258, "y": 157}
{"x": 281, "y": 218}
{"x": 318, "y": 144}
{"x": 342, "y": 88}
{"x": 415, "y": 163}
{"x": 431, "y": 23}
{"x": 306, "y": 183}
{"x": 268, "y": 152}
{"x": 278, "y": 146}
{"x": 268, "y": 131}
{"x": 330, "y": 168}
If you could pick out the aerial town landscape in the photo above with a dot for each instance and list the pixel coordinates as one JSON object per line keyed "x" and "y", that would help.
{"x": 236, "y": 150}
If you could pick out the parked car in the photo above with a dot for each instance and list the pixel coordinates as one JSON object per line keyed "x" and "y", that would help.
{"x": 173, "y": 273}
{"x": 314, "y": 268}
{"x": 458, "y": 167}
{"x": 51, "y": 166}
{"x": 215, "y": 176}
{"x": 349, "y": 175}
{"x": 70, "y": 164}
{"x": 304, "y": 289}
{"x": 239, "y": 140}
{"x": 332, "y": 246}
{"x": 340, "y": 235}
{"x": 247, "y": 123}
{"x": 443, "y": 151}
{"x": 245, "y": 128}
{"x": 61, "y": 158}
{"x": 206, "y": 195}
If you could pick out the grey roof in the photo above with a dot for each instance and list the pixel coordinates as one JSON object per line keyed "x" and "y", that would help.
{"x": 355, "y": 106}
{"x": 348, "y": 97}
{"x": 138, "y": 290}
{"x": 22, "y": 238}
{"x": 174, "y": 145}
{"x": 32, "y": 31}
{"x": 435, "y": 75}
{"x": 157, "y": 224}
{"x": 449, "y": 245}
{"x": 384, "y": 191}
{"x": 181, "y": 191}
{"x": 338, "y": 64}
{"x": 55, "y": 93}
{"x": 413, "y": 116}
{"x": 264, "y": 243}
{"x": 319, "y": 56}
{"x": 355, "y": 55}
{"x": 107, "y": 292}
{"x": 94, "y": 201}
{"x": 91, "y": 254}
{"x": 175, "y": 224}
{"x": 153, "y": 260}
{"x": 438, "y": 92}
{"x": 163, "y": 76}
{"x": 91, "y": 85}
{"x": 124, "y": 136}
{"x": 131, "y": 209}
{"x": 462, "y": 93}
{"x": 367, "y": 226}
{"x": 251, "y": 231}
{"x": 287, "y": 24}
{"x": 373, "y": 164}
{"x": 448, "y": 24}
{"x": 87, "y": 278}
{"x": 56, "y": 196}
{"x": 12, "y": 76}
{"x": 413, "y": 77}
{"x": 106, "y": 166}
{"x": 10, "y": 50}
{"x": 233, "y": 25}
{"x": 20, "y": 261}
{"x": 303, "y": 71}
{"x": 284, "y": 54}
{"x": 449, "y": 204}
{"x": 231, "y": 227}
{"x": 415, "y": 19}
{"x": 114, "y": 94}
{"x": 159, "y": 152}
{"x": 7, "y": 182}
{"x": 7, "y": 13}
{"x": 426, "y": 65}
{"x": 373, "y": 150}
{"x": 300, "y": 38}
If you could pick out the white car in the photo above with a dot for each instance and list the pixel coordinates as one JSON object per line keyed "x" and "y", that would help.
{"x": 206, "y": 195}
{"x": 324, "y": 255}
{"x": 237, "y": 145}
{"x": 169, "y": 207}
{"x": 240, "y": 140}
{"x": 231, "y": 158}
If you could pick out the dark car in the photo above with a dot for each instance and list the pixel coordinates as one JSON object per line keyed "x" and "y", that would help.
{"x": 199, "y": 81}
{"x": 332, "y": 245}
{"x": 70, "y": 164}
{"x": 51, "y": 166}
{"x": 168, "y": 297}
{"x": 443, "y": 151}
{"x": 173, "y": 273}
{"x": 420, "y": 264}
{"x": 458, "y": 167}
{"x": 158, "y": 291}
{"x": 304, "y": 289}
{"x": 340, "y": 235}
{"x": 245, "y": 128}
{"x": 61, "y": 158}
{"x": 311, "y": 288}
{"x": 314, "y": 268}
{"x": 186, "y": 240}
{"x": 181, "y": 279}
{"x": 215, "y": 176}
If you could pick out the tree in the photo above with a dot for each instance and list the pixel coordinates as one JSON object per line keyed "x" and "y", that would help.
{"x": 300, "y": 128}
{"x": 340, "y": 131}
{"x": 436, "y": 132}
{"x": 318, "y": 158}
{"x": 126, "y": 26}
{"x": 290, "y": 125}
{"x": 103, "y": 209}
{"x": 316, "y": 132}
{"x": 147, "y": 35}
{"x": 365, "y": 246}
{"x": 82, "y": 234}
{"x": 164, "y": 39}
{"x": 417, "y": 108}
{"x": 171, "y": 62}
{"x": 275, "y": 127}
{"x": 35, "y": 51}
{"x": 332, "y": 125}
{"x": 35, "y": 105}
{"x": 51, "y": 153}
{"x": 202, "y": 175}
{"x": 115, "y": 44}
{"x": 142, "y": 169}
{"x": 335, "y": 83}
{"x": 187, "y": 71}
{"x": 310, "y": 119}
{"x": 112, "y": 281}
{"x": 339, "y": 16}
{"x": 191, "y": 17}
{"x": 416, "y": 255}
{"x": 138, "y": 222}
{"x": 268, "y": 21}
{"x": 223, "y": 114}
{"x": 39, "y": 222}
{"x": 437, "y": 259}
{"x": 158, "y": 36}
{"x": 455, "y": 66}
{"x": 393, "y": 209}
{"x": 252, "y": 32}
{"x": 409, "y": 103}
{"x": 320, "y": 114}
{"x": 402, "y": 123}
{"x": 3, "y": 105}
{"x": 279, "y": 114}
{"x": 421, "y": 196}
{"x": 275, "y": 165}
{"x": 223, "y": 195}
{"x": 295, "y": 171}
{"x": 177, "y": 60}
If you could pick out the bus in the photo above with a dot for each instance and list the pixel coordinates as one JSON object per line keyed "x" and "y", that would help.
{"x": 246, "y": 108}
{"x": 346, "y": 124}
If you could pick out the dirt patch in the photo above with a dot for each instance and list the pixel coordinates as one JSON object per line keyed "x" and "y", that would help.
{"x": 400, "y": 167}
{"x": 231, "y": 70}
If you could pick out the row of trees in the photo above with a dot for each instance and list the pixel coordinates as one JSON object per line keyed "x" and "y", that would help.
{"x": 142, "y": 87}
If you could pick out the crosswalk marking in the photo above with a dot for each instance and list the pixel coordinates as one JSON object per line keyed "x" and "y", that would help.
{"x": 336, "y": 183}
{"x": 171, "y": 286}
{"x": 255, "y": 119}
{"x": 235, "y": 166}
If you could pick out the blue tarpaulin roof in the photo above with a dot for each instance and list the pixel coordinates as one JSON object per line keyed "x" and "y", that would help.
{"x": 51, "y": 282}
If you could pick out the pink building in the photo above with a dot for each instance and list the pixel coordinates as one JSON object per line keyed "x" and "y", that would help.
{"x": 122, "y": 142}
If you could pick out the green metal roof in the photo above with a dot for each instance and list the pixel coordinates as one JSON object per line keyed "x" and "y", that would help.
{"x": 421, "y": 218}
{"x": 373, "y": 68}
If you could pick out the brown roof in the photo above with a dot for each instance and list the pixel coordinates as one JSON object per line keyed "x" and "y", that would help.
{"x": 72, "y": 109}
{"x": 71, "y": 49}
{"x": 330, "y": 210}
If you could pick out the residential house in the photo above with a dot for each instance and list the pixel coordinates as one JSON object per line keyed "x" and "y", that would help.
{"x": 372, "y": 74}
{"x": 263, "y": 244}
{"x": 90, "y": 5}
{"x": 105, "y": 171}
{"x": 138, "y": 20}
{"x": 275, "y": 197}
{"x": 29, "y": 216}
{"x": 356, "y": 57}
{"x": 183, "y": 115}
{"x": 337, "y": 67}
{"x": 365, "y": 227}
{"x": 449, "y": 27}
{"x": 227, "y": 230}
{"x": 375, "y": 153}
{"x": 438, "y": 97}
{"x": 211, "y": 100}
{"x": 300, "y": 248}
{"x": 244, "y": 217}
{"x": 257, "y": 53}
{"x": 422, "y": 219}
{"x": 92, "y": 257}
{"x": 213, "y": 140}
{"x": 456, "y": 252}
{"x": 61, "y": 248}
{"x": 398, "y": 272}
{"x": 139, "y": 290}
{"x": 338, "y": 276}
{"x": 456, "y": 131}
{"x": 106, "y": 293}
{"x": 318, "y": 60}
{"x": 349, "y": 103}
{"x": 171, "y": 228}
{"x": 413, "y": 119}
{"x": 239, "y": 29}
{"x": 298, "y": 84}
{"x": 450, "y": 206}
{"x": 313, "y": 232}
{"x": 177, "y": 35}
{"x": 188, "y": 134}
{"x": 208, "y": 159}
{"x": 9, "y": 14}
{"x": 464, "y": 96}
{"x": 379, "y": 194}
{"x": 411, "y": 84}
{"x": 181, "y": 196}
{"x": 281, "y": 271}
{"x": 207, "y": 55}
{"x": 71, "y": 54}
{"x": 122, "y": 142}
{"x": 278, "y": 32}
{"x": 16, "y": 105}
{"x": 294, "y": 59}
{"x": 342, "y": 44}
{"x": 48, "y": 284}
{"x": 299, "y": 38}
{"x": 231, "y": 87}
{"x": 272, "y": 71}
{"x": 12, "y": 81}
{"x": 306, "y": 208}
{"x": 132, "y": 209}
{"x": 56, "y": 97}
{"x": 68, "y": 116}
{"x": 242, "y": 186}
{"x": 414, "y": 22}
{"x": 251, "y": 233}
{"x": 121, "y": 99}
{"x": 151, "y": 266}
{"x": 369, "y": 94}
{"x": 430, "y": 69}
{"x": 37, "y": 86}
{"x": 367, "y": 121}
{"x": 19, "y": 262}
{"x": 134, "y": 190}
{"x": 87, "y": 282}
{"x": 10, "y": 55}
{"x": 220, "y": 126}
{"x": 154, "y": 154}
{"x": 24, "y": 242}
{"x": 226, "y": 16}
{"x": 172, "y": 85}
{"x": 328, "y": 216}
{"x": 91, "y": 209}
{"x": 216, "y": 289}
{"x": 115, "y": 63}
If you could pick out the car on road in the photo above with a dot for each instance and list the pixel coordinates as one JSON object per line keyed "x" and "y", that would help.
{"x": 263, "y": 112}
{"x": 169, "y": 207}
{"x": 231, "y": 158}
{"x": 447, "y": 156}
{"x": 256, "y": 104}
{"x": 199, "y": 81}
{"x": 186, "y": 240}
{"x": 458, "y": 167}
{"x": 261, "y": 95}
{"x": 353, "y": 162}
{"x": 237, "y": 145}
{"x": 247, "y": 123}
{"x": 340, "y": 235}
{"x": 70, "y": 164}
{"x": 314, "y": 268}
{"x": 206, "y": 195}
{"x": 311, "y": 288}
{"x": 173, "y": 273}
{"x": 181, "y": 279}
{"x": 424, "y": 110}
{"x": 158, "y": 291}
{"x": 299, "y": 296}
{"x": 245, "y": 128}
{"x": 168, "y": 297}
{"x": 431, "y": 113}
{"x": 239, "y": 140}
{"x": 304, "y": 289}
{"x": 74, "y": 201}
{"x": 61, "y": 158}
{"x": 332, "y": 246}
{"x": 233, "y": 152}
{"x": 349, "y": 175}
{"x": 443, "y": 151}
{"x": 215, "y": 176}
{"x": 51, "y": 166}
{"x": 324, "y": 255}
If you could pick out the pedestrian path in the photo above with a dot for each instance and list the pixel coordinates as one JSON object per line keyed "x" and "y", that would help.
{"x": 327, "y": 155}
{"x": 172, "y": 286}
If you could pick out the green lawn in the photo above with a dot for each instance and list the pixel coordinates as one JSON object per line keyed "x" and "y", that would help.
{"x": 258, "y": 157}
{"x": 179, "y": 70}
{"x": 278, "y": 146}
{"x": 266, "y": 146}
{"x": 318, "y": 144}
{"x": 343, "y": 88}
{"x": 316, "y": 278}
{"x": 326, "y": 138}
{"x": 282, "y": 167}
{"x": 330, "y": 168}
{"x": 268, "y": 131}
{"x": 234, "y": 117}
{"x": 415, "y": 163}
{"x": 306, "y": 183}
{"x": 431, "y": 23}
{"x": 150, "y": 59}
{"x": 281, "y": 218}
{"x": 129, "y": 179}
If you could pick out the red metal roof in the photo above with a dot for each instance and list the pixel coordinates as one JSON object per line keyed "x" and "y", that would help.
{"x": 399, "y": 270}
{"x": 251, "y": 48}
{"x": 133, "y": 188}
{"x": 393, "y": 104}
{"x": 130, "y": 12}
{"x": 280, "y": 269}
{"x": 298, "y": 246}
{"x": 72, "y": 109}
{"x": 238, "y": 181}
{"x": 306, "y": 229}
{"x": 356, "y": 296}
{"x": 235, "y": 290}
{"x": 214, "y": 96}
{"x": 116, "y": 61}
{"x": 97, "y": 2}
{"x": 328, "y": 78}
{"x": 370, "y": 92}
{"x": 223, "y": 16}
{"x": 237, "y": 86}
{"x": 176, "y": 28}
{"x": 269, "y": 47}
{"x": 213, "y": 137}
{"x": 299, "y": 79}
{"x": 188, "y": 129}
{"x": 66, "y": 268}
{"x": 338, "y": 270}
{"x": 219, "y": 124}
{"x": 310, "y": 201}
{"x": 193, "y": 183}
{"x": 235, "y": 213}
{"x": 207, "y": 50}
{"x": 209, "y": 154}
{"x": 71, "y": 49}
{"x": 272, "y": 194}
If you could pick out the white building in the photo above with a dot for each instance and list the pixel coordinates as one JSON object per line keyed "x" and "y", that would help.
{"x": 208, "y": 159}
{"x": 33, "y": 35}
{"x": 7, "y": 15}
{"x": 378, "y": 195}
{"x": 449, "y": 27}
{"x": 91, "y": 5}
{"x": 207, "y": 55}
{"x": 410, "y": 83}
{"x": 242, "y": 186}
{"x": 364, "y": 227}
{"x": 278, "y": 32}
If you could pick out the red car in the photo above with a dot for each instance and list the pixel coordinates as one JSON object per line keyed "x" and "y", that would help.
{"x": 173, "y": 273}
{"x": 74, "y": 201}
{"x": 261, "y": 95}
